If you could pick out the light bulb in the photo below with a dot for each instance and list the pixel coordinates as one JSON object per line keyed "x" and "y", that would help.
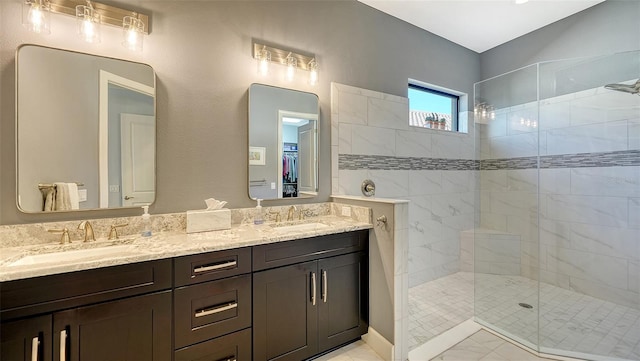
{"x": 88, "y": 23}
{"x": 264, "y": 57}
{"x": 484, "y": 113}
{"x": 35, "y": 16}
{"x": 133, "y": 32}
{"x": 493, "y": 115}
{"x": 291, "y": 63}
{"x": 313, "y": 72}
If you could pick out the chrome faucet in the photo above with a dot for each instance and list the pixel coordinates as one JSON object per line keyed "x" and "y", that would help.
{"x": 292, "y": 210}
{"x": 88, "y": 231}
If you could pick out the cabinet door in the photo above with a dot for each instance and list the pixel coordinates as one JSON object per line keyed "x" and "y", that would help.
{"x": 26, "y": 340}
{"x": 285, "y": 313}
{"x": 133, "y": 329}
{"x": 342, "y": 306}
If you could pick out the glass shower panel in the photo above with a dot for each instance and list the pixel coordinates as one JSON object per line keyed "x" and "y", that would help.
{"x": 506, "y": 246}
{"x": 590, "y": 208}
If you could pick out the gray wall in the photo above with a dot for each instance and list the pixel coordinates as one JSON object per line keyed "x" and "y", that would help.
{"x": 609, "y": 27}
{"x": 202, "y": 53}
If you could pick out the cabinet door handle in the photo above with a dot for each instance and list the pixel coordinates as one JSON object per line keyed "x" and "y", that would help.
{"x": 213, "y": 267}
{"x": 325, "y": 291}
{"x": 313, "y": 288}
{"x": 35, "y": 343}
{"x": 210, "y": 311}
{"x": 63, "y": 345}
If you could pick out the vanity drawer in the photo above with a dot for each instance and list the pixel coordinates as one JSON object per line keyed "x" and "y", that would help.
{"x": 37, "y": 295}
{"x": 308, "y": 249}
{"x": 211, "y": 309}
{"x": 212, "y": 266}
{"x": 236, "y": 346}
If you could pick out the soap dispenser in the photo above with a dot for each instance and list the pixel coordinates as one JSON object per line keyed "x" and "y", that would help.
{"x": 257, "y": 217}
{"x": 146, "y": 222}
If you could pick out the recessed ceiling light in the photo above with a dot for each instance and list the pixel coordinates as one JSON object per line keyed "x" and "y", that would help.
{"x": 520, "y": 2}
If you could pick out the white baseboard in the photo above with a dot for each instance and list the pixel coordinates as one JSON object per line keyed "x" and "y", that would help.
{"x": 379, "y": 344}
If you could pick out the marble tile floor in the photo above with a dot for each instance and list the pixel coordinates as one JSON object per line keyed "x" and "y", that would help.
{"x": 568, "y": 320}
{"x": 439, "y": 305}
{"x": 357, "y": 351}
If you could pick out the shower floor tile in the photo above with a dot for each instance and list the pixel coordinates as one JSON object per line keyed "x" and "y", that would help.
{"x": 439, "y": 305}
{"x": 568, "y": 320}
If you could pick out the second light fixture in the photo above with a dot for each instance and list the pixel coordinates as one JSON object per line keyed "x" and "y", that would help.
{"x": 292, "y": 61}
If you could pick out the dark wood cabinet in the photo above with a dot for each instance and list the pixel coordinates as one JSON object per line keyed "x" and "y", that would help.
{"x": 285, "y": 313}
{"x": 285, "y": 301}
{"x": 306, "y": 308}
{"x": 26, "y": 340}
{"x": 112, "y": 313}
{"x": 137, "y": 328}
{"x": 343, "y": 306}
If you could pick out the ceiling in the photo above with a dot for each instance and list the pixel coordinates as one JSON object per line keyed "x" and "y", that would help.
{"x": 480, "y": 25}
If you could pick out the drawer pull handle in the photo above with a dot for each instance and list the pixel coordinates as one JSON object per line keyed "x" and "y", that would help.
{"x": 214, "y": 267}
{"x": 325, "y": 291}
{"x": 313, "y": 288}
{"x": 35, "y": 343}
{"x": 210, "y": 311}
{"x": 63, "y": 345}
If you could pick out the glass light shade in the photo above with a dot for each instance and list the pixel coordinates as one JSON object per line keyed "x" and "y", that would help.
{"x": 292, "y": 64}
{"x": 264, "y": 58}
{"x": 133, "y": 33}
{"x": 313, "y": 72}
{"x": 36, "y": 16}
{"x": 88, "y": 23}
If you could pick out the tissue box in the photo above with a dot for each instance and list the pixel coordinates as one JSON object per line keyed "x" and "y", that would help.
{"x": 203, "y": 221}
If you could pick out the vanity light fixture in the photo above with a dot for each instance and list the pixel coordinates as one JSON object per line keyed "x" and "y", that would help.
{"x": 484, "y": 111}
{"x": 291, "y": 60}
{"x": 36, "y": 16}
{"x": 90, "y": 16}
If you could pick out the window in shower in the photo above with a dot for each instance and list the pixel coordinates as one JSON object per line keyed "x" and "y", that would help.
{"x": 432, "y": 108}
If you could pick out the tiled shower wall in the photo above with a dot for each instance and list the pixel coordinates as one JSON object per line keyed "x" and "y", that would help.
{"x": 434, "y": 170}
{"x": 589, "y": 184}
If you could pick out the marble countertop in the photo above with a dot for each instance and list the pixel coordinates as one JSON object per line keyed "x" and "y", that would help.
{"x": 161, "y": 245}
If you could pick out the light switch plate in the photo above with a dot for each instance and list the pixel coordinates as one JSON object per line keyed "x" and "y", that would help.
{"x": 114, "y": 188}
{"x": 82, "y": 195}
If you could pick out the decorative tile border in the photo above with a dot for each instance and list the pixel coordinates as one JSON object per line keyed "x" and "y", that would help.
{"x": 625, "y": 158}
{"x": 381, "y": 162}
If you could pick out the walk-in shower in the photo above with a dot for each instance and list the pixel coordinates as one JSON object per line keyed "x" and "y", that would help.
{"x": 557, "y": 239}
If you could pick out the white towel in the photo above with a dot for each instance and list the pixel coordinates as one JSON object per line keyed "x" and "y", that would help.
{"x": 74, "y": 198}
{"x": 66, "y": 196}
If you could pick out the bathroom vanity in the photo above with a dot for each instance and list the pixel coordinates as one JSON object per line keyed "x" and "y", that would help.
{"x": 260, "y": 298}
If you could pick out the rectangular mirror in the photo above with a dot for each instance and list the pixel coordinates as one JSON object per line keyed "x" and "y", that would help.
{"x": 283, "y": 143}
{"x": 85, "y": 129}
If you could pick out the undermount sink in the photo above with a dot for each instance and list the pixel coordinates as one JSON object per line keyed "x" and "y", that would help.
{"x": 303, "y": 227}
{"x": 76, "y": 255}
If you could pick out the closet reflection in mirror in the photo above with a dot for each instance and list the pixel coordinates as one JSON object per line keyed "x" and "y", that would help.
{"x": 85, "y": 131}
{"x": 283, "y": 130}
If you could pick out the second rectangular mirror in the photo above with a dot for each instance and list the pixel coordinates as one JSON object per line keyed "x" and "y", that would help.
{"x": 283, "y": 143}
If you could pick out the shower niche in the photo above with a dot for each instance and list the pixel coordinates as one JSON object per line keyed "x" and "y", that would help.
{"x": 557, "y": 261}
